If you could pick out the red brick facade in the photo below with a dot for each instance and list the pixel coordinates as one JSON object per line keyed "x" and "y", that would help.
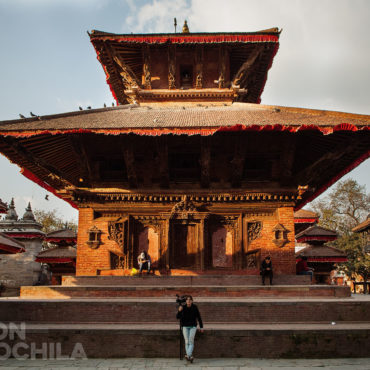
{"x": 237, "y": 251}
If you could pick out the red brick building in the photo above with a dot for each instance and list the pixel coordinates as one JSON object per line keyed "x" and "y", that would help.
{"x": 189, "y": 167}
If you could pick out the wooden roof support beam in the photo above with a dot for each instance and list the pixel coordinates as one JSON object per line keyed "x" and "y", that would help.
{"x": 162, "y": 149}
{"x": 54, "y": 174}
{"x": 146, "y": 68}
{"x": 124, "y": 70}
{"x": 129, "y": 157}
{"x": 199, "y": 56}
{"x": 288, "y": 145}
{"x": 80, "y": 154}
{"x": 323, "y": 165}
{"x": 205, "y": 162}
{"x": 172, "y": 66}
{"x": 238, "y": 163}
{"x": 241, "y": 77}
{"x": 222, "y": 66}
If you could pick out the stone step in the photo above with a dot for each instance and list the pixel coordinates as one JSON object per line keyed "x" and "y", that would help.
{"x": 150, "y": 310}
{"x": 223, "y": 280}
{"x": 57, "y": 291}
{"x": 270, "y": 340}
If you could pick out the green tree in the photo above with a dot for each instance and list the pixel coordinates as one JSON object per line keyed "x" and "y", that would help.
{"x": 343, "y": 209}
{"x": 50, "y": 221}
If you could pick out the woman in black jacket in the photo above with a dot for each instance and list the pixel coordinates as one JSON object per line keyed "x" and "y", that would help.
{"x": 189, "y": 315}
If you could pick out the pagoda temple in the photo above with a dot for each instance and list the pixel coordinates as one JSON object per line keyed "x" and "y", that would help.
{"x": 189, "y": 166}
{"x": 25, "y": 234}
{"x": 60, "y": 257}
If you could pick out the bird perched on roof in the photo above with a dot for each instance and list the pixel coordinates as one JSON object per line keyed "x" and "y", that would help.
{"x": 21, "y": 115}
{"x": 105, "y": 105}
{"x": 80, "y": 108}
{"x": 112, "y": 104}
{"x": 33, "y": 115}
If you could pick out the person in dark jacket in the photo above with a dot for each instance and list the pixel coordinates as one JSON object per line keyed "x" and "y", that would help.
{"x": 302, "y": 267}
{"x": 189, "y": 316}
{"x": 266, "y": 269}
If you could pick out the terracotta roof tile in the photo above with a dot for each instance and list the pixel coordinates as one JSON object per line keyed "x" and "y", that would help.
{"x": 135, "y": 117}
{"x": 304, "y": 213}
{"x": 316, "y": 231}
{"x": 58, "y": 252}
{"x": 63, "y": 233}
{"x": 10, "y": 245}
{"x": 321, "y": 251}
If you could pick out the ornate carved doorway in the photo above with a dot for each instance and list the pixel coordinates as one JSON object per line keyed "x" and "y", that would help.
{"x": 184, "y": 246}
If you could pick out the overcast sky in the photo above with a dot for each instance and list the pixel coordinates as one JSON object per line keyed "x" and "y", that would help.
{"x": 48, "y": 65}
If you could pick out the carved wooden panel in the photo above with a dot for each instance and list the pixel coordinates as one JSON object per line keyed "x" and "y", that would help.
{"x": 146, "y": 68}
{"x": 172, "y": 67}
{"x": 254, "y": 230}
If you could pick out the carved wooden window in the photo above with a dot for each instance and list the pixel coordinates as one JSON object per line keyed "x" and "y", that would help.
{"x": 281, "y": 235}
{"x": 94, "y": 237}
{"x": 186, "y": 76}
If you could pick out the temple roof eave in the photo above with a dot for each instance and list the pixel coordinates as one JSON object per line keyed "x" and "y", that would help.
{"x": 204, "y": 119}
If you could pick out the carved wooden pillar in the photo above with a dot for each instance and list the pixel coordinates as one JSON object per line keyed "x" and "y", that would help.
{"x": 130, "y": 242}
{"x": 172, "y": 66}
{"x": 238, "y": 164}
{"x": 205, "y": 162}
{"x": 287, "y": 159}
{"x": 128, "y": 154}
{"x": 146, "y": 68}
{"x": 165, "y": 245}
{"x": 162, "y": 149}
{"x": 222, "y": 66}
{"x": 199, "y": 52}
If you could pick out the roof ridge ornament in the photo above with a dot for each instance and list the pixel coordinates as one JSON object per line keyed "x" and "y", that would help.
{"x": 185, "y": 28}
{"x": 11, "y": 215}
{"x": 28, "y": 215}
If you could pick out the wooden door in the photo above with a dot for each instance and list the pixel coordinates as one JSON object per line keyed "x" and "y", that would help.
{"x": 184, "y": 246}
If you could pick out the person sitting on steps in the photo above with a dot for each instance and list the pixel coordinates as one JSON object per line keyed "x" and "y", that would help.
{"x": 303, "y": 269}
{"x": 144, "y": 261}
{"x": 266, "y": 269}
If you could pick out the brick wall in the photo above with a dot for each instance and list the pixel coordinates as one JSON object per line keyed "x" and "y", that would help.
{"x": 90, "y": 260}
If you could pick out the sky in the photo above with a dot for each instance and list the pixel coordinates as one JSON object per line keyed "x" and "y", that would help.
{"x": 48, "y": 65}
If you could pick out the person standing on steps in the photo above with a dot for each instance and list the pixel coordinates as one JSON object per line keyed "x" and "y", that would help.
{"x": 266, "y": 269}
{"x": 189, "y": 315}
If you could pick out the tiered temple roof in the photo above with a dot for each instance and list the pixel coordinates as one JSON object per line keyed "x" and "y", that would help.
{"x": 316, "y": 233}
{"x": 137, "y": 66}
{"x": 64, "y": 254}
{"x": 10, "y": 245}
{"x": 192, "y": 122}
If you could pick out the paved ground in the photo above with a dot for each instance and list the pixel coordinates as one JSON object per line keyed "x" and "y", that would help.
{"x": 199, "y": 364}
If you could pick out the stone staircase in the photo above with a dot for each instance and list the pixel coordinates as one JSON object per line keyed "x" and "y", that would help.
{"x": 143, "y": 324}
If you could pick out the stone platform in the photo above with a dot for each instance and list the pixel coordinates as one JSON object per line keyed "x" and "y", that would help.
{"x": 116, "y": 317}
{"x": 146, "y": 327}
{"x": 168, "y": 286}
{"x": 161, "y": 291}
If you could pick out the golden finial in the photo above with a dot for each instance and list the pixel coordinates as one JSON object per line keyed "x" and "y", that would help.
{"x": 185, "y": 28}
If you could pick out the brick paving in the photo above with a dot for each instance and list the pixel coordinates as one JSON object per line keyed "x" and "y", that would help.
{"x": 201, "y": 364}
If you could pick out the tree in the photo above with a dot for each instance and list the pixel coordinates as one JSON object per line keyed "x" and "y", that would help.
{"x": 343, "y": 209}
{"x": 50, "y": 221}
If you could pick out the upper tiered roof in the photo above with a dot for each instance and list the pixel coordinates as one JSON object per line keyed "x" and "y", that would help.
{"x": 186, "y": 66}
